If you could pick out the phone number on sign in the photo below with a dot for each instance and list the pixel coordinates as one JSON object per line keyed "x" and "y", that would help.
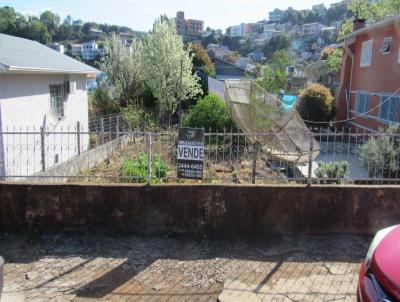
{"x": 190, "y": 166}
{"x": 192, "y": 174}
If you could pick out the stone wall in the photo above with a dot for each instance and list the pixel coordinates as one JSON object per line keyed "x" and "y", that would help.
{"x": 199, "y": 209}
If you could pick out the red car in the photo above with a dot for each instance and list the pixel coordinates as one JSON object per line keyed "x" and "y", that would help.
{"x": 380, "y": 272}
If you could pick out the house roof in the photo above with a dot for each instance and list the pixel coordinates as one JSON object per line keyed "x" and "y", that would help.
{"x": 375, "y": 26}
{"x": 22, "y": 55}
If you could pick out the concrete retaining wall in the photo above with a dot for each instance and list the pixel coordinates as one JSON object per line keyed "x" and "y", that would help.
{"x": 86, "y": 160}
{"x": 198, "y": 209}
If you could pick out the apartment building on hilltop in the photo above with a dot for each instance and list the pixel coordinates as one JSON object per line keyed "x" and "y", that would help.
{"x": 90, "y": 51}
{"x": 312, "y": 30}
{"x": 189, "y": 29}
{"x": 240, "y": 31}
{"x": 275, "y": 16}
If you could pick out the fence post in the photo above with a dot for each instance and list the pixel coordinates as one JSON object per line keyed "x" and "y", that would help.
{"x": 149, "y": 155}
{"x": 254, "y": 170}
{"x": 102, "y": 130}
{"x": 310, "y": 159}
{"x": 117, "y": 130}
{"x": 42, "y": 151}
{"x": 78, "y": 137}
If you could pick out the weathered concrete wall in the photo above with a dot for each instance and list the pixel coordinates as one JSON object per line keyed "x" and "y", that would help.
{"x": 86, "y": 160}
{"x": 197, "y": 209}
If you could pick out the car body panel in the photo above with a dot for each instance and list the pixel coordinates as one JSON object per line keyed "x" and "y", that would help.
{"x": 382, "y": 278}
{"x": 385, "y": 263}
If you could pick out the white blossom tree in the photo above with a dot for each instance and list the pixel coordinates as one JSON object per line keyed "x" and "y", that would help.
{"x": 167, "y": 67}
{"x": 124, "y": 70}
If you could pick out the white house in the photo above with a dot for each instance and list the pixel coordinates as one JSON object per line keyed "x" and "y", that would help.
{"x": 40, "y": 88}
{"x": 240, "y": 31}
{"x": 312, "y": 29}
{"x": 269, "y": 34}
{"x": 76, "y": 50}
{"x": 90, "y": 50}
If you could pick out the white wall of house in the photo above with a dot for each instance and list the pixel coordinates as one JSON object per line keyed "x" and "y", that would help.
{"x": 25, "y": 106}
{"x": 90, "y": 50}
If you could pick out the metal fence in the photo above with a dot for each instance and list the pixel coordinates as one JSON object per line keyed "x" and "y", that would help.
{"x": 107, "y": 123}
{"x": 230, "y": 158}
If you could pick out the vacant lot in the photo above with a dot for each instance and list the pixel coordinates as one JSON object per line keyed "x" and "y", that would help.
{"x": 88, "y": 268}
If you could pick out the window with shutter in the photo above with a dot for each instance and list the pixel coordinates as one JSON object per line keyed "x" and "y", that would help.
{"x": 366, "y": 53}
{"x": 362, "y": 102}
{"x": 390, "y": 108}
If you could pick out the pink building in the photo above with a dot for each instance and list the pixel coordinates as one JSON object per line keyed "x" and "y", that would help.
{"x": 369, "y": 93}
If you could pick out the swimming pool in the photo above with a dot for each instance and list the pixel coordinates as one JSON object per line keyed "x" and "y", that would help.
{"x": 288, "y": 102}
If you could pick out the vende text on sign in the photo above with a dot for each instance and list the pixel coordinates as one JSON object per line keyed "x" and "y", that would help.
{"x": 190, "y": 152}
{"x": 190, "y": 157}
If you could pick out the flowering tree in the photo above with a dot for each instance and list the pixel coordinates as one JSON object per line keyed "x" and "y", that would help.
{"x": 167, "y": 67}
{"x": 123, "y": 68}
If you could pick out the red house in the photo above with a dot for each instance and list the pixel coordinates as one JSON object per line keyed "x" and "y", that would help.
{"x": 369, "y": 91}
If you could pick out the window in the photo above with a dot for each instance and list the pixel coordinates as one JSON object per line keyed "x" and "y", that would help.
{"x": 386, "y": 45}
{"x": 390, "y": 108}
{"x": 366, "y": 53}
{"x": 57, "y": 93}
{"x": 362, "y": 102}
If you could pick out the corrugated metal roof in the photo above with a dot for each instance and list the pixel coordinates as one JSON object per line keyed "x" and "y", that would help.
{"x": 18, "y": 54}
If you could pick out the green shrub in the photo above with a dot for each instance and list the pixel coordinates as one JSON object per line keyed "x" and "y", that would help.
{"x": 333, "y": 171}
{"x": 316, "y": 103}
{"x": 380, "y": 156}
{"x": 100, "y": 102}
{"x": 210, "y": 113}
{"x": 334, "y": 61}
{"x": 136, "y": 169}
{"x": 202, "y": 59}
{"x": 136, "y": 117}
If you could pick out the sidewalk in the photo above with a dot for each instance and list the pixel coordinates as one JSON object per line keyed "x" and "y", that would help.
{"x": 89, "y": 268}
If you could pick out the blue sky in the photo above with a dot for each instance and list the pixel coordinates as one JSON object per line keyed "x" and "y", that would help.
{"x": 140, "y": 14}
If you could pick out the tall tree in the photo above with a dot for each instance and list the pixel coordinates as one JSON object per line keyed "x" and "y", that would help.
{"x": 168, "y": 66}
{"x": 35, "y": 30}
{"x": 123, "y": 69}
{"x": 201, "y": 59}
{"x": 276, "y": 43}
{"x": 274, "y": 73}
{"x": 50, "y": 20}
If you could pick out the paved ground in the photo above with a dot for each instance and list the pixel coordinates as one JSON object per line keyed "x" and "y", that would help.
{"x": 89, "y": 268}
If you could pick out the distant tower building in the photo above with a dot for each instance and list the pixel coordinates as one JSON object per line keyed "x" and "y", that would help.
{"x": 181, "y": 23}
{"x": 189, "y": 29}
